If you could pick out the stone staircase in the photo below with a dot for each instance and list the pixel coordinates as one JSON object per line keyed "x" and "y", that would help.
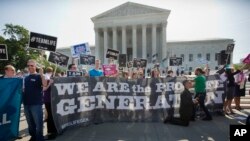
{"x": 245, "y": 101}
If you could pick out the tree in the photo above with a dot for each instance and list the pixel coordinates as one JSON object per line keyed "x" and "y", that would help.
{"x": 16, "y": 32}
{"x": 16, "y": 39}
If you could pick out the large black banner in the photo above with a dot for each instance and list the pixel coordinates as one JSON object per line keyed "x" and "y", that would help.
{"x": 43, "y": 42}
{"x": 84, "y": 100}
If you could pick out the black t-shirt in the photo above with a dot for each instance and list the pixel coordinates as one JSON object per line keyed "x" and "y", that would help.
{"x": 230, "y": 78}
{"x": 32, "y": 90}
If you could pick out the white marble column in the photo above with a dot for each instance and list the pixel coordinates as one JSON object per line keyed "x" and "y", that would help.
{"x": 164, "y": 40}
{"x": 144, "y": 41}
{"x": 114, "y": 38}
{"x": 97, "y": 46}
{"x": 134, "y": 41}
{"x": 105, "y": 34}
{"x": 154, "y": 39}
{"x": 124, "y": 40}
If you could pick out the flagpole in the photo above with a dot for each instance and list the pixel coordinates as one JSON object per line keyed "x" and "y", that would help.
{"x": 55, "y": 70}
{"x": 227, "y": 57}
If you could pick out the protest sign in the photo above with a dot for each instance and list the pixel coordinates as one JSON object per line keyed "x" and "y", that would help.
{"x": 122, "y": 60}
{"x": 111, "y": 53}
{"x": 175, "y": 61}
{"x": 3, "y": 52}
{"x": 59, "y": 59}
{"x": 87, "y": 59}
{"x": 109, "y": 69}
{"x": 74, "y": 73}
{"x": 42, "y": 42}
{"x": 84, "y": 48}
{"x": 247, "y": 59}
{"x": 139, "y": 63}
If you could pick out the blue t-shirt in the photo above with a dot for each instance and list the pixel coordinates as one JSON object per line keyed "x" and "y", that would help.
{"x": 95, "y": 72}
{"x": 33, "y": 90}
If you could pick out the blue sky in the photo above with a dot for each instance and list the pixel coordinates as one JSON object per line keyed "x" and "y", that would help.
{"x": 69, "y": 20}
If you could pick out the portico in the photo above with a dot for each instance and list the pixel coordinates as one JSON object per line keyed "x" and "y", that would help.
{"x": 134, "y": 29}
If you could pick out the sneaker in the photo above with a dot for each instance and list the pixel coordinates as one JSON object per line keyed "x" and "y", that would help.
{"x": 207, "y": 118}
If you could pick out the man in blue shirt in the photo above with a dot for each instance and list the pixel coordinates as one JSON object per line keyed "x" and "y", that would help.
{"x": 32, "y": 101}
{"x": 96, "y": 71}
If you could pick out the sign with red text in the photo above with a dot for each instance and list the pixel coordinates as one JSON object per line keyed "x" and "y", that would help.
{"x": 109, "y": 69}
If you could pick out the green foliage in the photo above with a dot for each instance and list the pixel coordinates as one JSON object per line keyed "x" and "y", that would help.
{"x": 16, "y": 38}
{"x": 237, "y": 66}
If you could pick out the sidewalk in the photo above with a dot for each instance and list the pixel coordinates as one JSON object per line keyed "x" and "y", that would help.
{"x": 215, "y": 130}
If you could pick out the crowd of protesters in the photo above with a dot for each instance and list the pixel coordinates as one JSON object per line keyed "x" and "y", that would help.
{"x": 37, "y": 85}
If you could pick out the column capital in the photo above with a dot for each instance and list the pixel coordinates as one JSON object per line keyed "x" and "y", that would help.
{"x": 134, "y": 26}
{"x": 96, "y": 29}
{"x": 124, "y": 27}
{"x": 144, "y": 24}
{"x": 105, "y": 29}
{"x": 164, "y": 24}
{"x": 154, "y": 24}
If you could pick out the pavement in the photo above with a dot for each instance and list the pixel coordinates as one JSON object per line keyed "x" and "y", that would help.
{"x": 199, "y": 130}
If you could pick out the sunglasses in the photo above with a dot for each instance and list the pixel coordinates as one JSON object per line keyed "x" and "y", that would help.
{"x": 11, "y": 70}
{"x": 30, "y": 65}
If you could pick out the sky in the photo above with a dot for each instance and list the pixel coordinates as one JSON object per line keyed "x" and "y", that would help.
{"x": 69, "y": 20}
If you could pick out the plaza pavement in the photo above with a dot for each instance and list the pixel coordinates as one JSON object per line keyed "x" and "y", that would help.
{"x": 215, "y": 130}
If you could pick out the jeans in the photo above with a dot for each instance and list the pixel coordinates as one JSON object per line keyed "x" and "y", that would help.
{"x": 34, "y": 117}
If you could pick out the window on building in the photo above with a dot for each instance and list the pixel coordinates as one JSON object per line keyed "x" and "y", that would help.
{"x": 216, "y": 56}
{"x": 182, "y": 56}
{"x": 190, "y": 57}
{"x": 190, "y": 68}
{"x": 208, "y": 56}
{"x": 216, "y": 68}
{"x": 199, "y": 55}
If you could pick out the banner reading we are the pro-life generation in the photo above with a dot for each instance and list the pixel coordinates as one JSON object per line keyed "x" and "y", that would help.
{"x": 85, "y": 100}
{"x": 10, "y": 95}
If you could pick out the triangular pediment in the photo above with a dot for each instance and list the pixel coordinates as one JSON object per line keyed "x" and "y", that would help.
{"x": 129, "y": 9}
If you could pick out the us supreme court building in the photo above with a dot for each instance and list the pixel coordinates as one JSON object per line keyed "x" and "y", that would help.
{"x": 140, "y": 31}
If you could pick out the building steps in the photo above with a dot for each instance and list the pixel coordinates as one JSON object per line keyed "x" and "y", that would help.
{"x": 244, "y": 100}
